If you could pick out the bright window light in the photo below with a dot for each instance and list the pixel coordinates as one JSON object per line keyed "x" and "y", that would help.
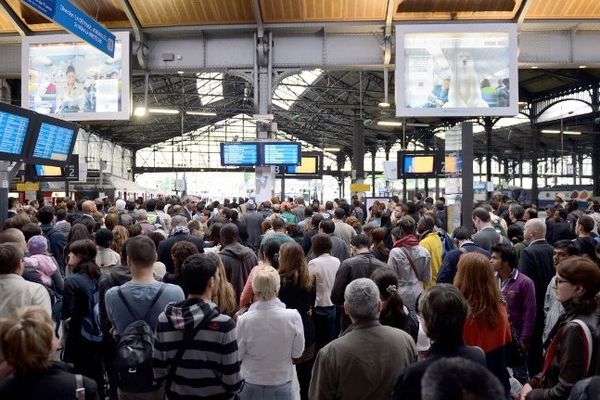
{"x": 292, "y": 87}
{"x": 210, "y": 87}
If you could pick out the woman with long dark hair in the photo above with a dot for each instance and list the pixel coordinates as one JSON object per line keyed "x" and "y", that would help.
{"x": 487, "y": 324}
{"x": 80, "y": 315}
{"x": 572, "y": 346}
{"x": 268, "y": 254}
{"x": 299, "y": 291}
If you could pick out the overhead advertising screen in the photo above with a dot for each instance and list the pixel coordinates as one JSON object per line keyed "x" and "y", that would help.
{"x": 418, "y": 164}
{"x": 308, "y": 165}
{"x": 15, "y": 123}
{"x": 456, "y": 70}
{"x": 281, "y": 153}
{"x": 48, "y": 171}
{"x": 239, "y": 154}
{"x": 73, "y": 80}
{"x": 52, "y": 142}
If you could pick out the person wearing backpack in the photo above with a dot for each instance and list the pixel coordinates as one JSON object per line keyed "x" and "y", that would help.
{"x": 196, "y": 324}
{"x": 57, "y": 240}
{"x": 133, "y": 309}
{"x": 80, "y": 314}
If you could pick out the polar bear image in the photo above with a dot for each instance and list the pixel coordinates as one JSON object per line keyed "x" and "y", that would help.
{"x": 465, "y": 90}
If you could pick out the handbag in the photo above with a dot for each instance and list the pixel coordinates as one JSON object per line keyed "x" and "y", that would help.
{"x": 514, "y": 352}
{"x": 411, "y": 262}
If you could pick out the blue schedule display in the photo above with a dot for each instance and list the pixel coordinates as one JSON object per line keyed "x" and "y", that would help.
{"x": 13, "y": 131}
{"x": 281, "y": 153}
{"x": 53, "y": 142}
{"x": 239, "y": 154}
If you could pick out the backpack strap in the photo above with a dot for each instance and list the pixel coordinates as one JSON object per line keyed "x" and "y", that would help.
{"x": 411, "y": 262}
{"x": 588, "y": 346}
{"x": 184, "y": 344}
{"x": 463, "y": 250}
{"x": 131, "y": 310}
{"x": 154, "y": 300}
{"x": 79, "y": 389}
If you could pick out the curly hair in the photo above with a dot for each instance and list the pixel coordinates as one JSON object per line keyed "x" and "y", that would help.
{"x": 180, "y": 251}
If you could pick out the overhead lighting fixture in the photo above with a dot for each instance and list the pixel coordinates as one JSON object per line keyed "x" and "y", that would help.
{"x": 162, "y": 111}
{"x": 523, "y": 103}
{"x": 389, "y": 123}
{"x": 555, "y": 131}
{"x": 534, "y": 67}
{"x": 582, "y": 66}
{"x": 139, "y": 111}
{"x": 384, "y": 104}
{"x": 202, "y": 113}
{"x": 331, "y": 149}
{"x": 417, "y": 124}
{"x": 180, "y": 72}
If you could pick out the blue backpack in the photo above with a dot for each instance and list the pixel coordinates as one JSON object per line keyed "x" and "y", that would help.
{"x": 90, "y": 326}
{"x": 447, "y": 243}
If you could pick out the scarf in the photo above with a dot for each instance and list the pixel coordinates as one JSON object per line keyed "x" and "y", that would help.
{"x": 409, "y": 240}
{"x": 180, "y": 229}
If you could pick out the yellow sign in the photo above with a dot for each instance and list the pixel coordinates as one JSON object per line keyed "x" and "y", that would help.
{"x": 28, "y": 187}
{"x": 359, "y": 187}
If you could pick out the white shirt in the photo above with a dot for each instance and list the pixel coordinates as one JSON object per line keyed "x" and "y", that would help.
{"x": 269, "y": 336}
{"x": 16, "y": 292}
{"x": 324, "y": 268}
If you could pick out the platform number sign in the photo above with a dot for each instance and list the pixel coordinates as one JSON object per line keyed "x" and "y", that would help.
{"x": 72, "y": 168}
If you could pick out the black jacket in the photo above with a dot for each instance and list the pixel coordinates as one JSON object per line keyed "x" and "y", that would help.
{"x": 55, "y": 383}
{"x": 164, "y": 248}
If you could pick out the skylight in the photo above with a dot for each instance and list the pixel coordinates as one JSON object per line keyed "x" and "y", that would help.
{"x": 292, "y": 87}
{"x": 210, "y": 87}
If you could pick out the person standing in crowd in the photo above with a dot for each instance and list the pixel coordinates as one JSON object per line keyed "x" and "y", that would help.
{"x": 487, "y": 324}
{"x": 146, "y": 297}
{"x": 299, "y": 292}
{"x": 179, "y": 252}
{"x": 585, "y": 241}
{"x": 106, "y": 258}
{"x": 29, "y": 345}
{"x": 519, "y": 293}
{"x": 516, "y": 214}
{"x": 365, "y": 361}
{"x": 444, "y": 311}
{"x": 410, "y": 261}
{"x": 83, "y": 336}
{"x": 310, "y": 232}
{"x": 237, "y": 258}
{"x": 378, "y": 248}
{"x": 393, "y": 311}
{"x": 572, "y": 353}
{"x": 486, "y": 235}
{"x": 57, "y": 240}
{"x": 180, "y": 232}
{"x": 430, "y": 240}
{"x": 269, "y": 336}
{"x": 536, "y": 262}
{"x": 269, "y": 256}
{"x": 197, "y": 324}
{"x": 189, "y": 207}
{"x": 560, "y": 227}
{"x": 464, "y": 244}
{"x": 342, "y": 229}
{"x": 253, "y": 219}
{"x": 360, "y": 265}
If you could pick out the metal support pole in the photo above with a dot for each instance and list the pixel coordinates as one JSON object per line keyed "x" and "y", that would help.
{"x": 534, "y": 160}
{"x": 487, "y": 124}
{"x": 596, "y": 142}
{"x": 468, "y": 193}
{"x": 373, "y": 152}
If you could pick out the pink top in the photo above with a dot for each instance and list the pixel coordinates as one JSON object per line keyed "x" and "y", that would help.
{"x": 247, "y": 294}
{"x": 44, "y": 265}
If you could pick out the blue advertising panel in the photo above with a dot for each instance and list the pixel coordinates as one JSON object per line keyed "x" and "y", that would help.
{"x": 77, "y": 22}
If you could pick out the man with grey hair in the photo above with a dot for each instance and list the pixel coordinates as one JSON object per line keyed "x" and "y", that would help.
{"x": 365, "y": 361}
{"x": 536, "y": 262}
{"x": 189, "y": 207}
{"x": 179, "y": 232}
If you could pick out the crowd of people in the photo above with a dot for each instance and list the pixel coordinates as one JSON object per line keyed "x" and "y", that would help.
{"x": 186, "y": 299}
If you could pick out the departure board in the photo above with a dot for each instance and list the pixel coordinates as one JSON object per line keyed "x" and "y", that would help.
{"x": 13, "y": 132}
{"x": 53, "y": 142}
{"x": 239, "y": 154}
{"x": 281, "y": 153}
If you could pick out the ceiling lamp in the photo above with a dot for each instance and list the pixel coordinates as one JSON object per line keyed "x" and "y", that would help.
{"x": 162, "y": 111}
{"x": 202, "y": 113}
{"x": 389, "y": 123}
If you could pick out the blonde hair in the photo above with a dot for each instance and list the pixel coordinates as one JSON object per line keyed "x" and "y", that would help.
{"x": 26, "y": 338}
{"x": 266, "y": 283}
{"x": 224, "y": 297}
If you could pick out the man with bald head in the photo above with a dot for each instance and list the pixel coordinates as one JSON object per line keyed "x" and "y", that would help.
{"x": 536, "y": 262}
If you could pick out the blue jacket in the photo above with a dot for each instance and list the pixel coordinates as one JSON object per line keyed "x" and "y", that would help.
{"x": 450, "y": 261}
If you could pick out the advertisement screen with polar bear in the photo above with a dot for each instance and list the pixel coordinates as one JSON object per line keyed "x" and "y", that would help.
{"x": 456, "y": 70}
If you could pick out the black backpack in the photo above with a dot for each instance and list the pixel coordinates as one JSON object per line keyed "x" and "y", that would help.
{"x": 133, "y": 361}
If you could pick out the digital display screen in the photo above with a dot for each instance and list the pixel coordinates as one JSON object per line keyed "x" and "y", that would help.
{"x": 418, "y": 164}
{"x": 239, "y": 154}
{"x": 308, "y": 165}
{"x": 73, "y": 80}
{"x": 456, "y": 71}
{"x": 284, "y": 153}
{"x": 452, "y": 164}
{"x": 54, "y": 142}
{"x": 13, "y": 132}
{"x": 48, "y": 170}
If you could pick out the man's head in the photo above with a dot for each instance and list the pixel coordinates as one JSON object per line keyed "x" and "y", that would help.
{"x": 14, "y": 236}
{"x": 278, "y": 224}
{"x": 564, "y": 249}
{"x": 45, "y": 215}
{"x": 455, "y": 378}
{"x": 534, "y": 229}
{"x": 516, "y": 212}
{"x": 444, "y": 311}
{"x": 229, "y": 234}
{"x": 190, "y": 203}
{"x": 327, "y": 226}
{"x": 11, "y": 259}
{"x": 481, "y": 217}
{"x": 321, "y": 244}
{"x": 178, "y": 220}
{"x": 199, "y": 273}
{"x": 426, "y": 223}
{"x": 141, "y": 252}
{"x": 340, "y": 213}
{"x": 151, "y": 205}
{"x": 361, "y": 300}
{"x": 88, "y": 207}
{"x": 406, "y": 226}
{"x": 461, "y": 234}
{"x": 585, "y": 225}
{"x": 360, "y": 243}
{"x": 503, "y": 257}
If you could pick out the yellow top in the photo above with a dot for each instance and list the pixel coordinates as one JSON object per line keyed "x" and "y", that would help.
{"x": 433, "y": 244}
